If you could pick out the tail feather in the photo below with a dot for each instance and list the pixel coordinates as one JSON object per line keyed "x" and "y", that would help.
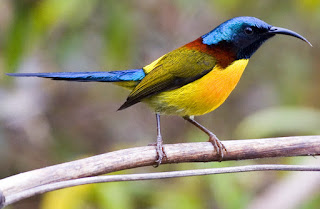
{"x": 111, "y": 76}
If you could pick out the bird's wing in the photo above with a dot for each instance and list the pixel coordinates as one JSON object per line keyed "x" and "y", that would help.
{"x": 173, "y": 70}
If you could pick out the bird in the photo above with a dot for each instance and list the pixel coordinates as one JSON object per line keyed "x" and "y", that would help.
{"x": 191, "y": 80}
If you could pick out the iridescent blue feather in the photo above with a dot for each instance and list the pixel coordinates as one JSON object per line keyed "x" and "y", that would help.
{"x": 111, "y": 76}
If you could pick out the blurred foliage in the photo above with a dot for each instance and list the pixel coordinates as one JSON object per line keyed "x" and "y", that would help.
{"x": 72, "y": 198}
{"x": 45, "y": 122}
{"x": 280, "y": 121}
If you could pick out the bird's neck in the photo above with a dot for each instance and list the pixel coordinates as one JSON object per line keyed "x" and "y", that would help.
{"x": 223, "y": 52}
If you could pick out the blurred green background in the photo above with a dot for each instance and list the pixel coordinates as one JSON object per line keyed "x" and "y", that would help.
{"x": 44, "y": 122}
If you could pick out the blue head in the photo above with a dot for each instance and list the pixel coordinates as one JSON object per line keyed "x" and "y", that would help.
{"x": 244, "y": 35}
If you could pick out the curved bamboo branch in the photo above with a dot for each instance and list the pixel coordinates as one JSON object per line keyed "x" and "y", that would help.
{"x": 144, "y": 156}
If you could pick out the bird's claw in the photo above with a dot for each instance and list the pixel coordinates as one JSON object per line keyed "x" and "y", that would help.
{"x": 160, "y": 152}
{"x": 218, "y": 146}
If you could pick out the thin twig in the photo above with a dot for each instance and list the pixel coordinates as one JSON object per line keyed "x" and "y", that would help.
{"x": 150, "y": 176}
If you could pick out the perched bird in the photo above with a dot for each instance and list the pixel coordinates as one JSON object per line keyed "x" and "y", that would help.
{"x": 191, "y": 80}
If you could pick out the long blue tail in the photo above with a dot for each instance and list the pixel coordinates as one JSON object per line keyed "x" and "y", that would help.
{"x": 111, "y": 76}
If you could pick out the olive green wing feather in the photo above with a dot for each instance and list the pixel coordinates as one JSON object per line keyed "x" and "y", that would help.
{"x": 175, "y": 69}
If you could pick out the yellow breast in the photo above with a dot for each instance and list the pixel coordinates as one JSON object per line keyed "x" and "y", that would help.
{"x": 201, "y": 96}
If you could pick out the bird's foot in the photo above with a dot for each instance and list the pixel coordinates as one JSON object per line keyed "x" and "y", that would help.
{"x": 160, "y": 151}
{"x": 218, "y": 146}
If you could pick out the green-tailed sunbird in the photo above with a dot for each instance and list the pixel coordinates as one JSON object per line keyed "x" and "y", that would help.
{"x": 191, "y": 80}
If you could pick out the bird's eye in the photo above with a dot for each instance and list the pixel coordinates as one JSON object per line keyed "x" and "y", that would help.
{"x": 248, "y": 31}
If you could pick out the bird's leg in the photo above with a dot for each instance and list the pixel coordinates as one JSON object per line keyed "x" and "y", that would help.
{"x": 159, "y": 147}
{"x": 217, "y": 144}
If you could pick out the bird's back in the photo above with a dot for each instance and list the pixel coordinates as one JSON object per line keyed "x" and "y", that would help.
{"x": 191, "y": 80}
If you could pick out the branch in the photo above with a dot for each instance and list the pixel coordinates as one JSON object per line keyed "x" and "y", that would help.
{"x": 151, "y": 176}
{"x": 144, "y": 156}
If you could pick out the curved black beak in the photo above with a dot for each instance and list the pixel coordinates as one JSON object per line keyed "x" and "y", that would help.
{"x": 278, "y": 30}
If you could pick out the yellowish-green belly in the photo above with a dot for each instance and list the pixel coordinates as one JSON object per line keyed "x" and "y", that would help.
{"x": 201, "y": 96}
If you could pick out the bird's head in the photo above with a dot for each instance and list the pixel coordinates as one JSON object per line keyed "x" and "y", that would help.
{"x": 245, "y": 35}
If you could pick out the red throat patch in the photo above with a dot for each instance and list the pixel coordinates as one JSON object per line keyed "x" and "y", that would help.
{"x": 223, "y": 53}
